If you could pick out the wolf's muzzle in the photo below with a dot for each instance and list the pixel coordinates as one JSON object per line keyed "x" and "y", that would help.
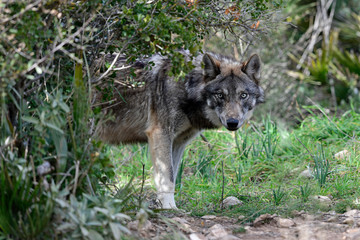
{"x": 232, "y": 124}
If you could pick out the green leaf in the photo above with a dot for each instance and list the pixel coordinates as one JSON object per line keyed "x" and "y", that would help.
{"x": 115, "y": 230}
{"x": 84, "y": 231}
{"x": 52, "y": 126}
{"x": 64, "y": 107}
{"x": 94, "y": 235}
{"x": 80, "y": 98}
{"x": 30, "y": 119}
{"x": 38, "y": 70}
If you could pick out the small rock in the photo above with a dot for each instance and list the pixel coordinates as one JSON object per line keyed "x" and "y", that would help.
{"x": 352, "y": 234}
{"x": 352, "y": 213}
{"x": 333, "y": 213}
{"x": 285, "y": 223}
{"x": 342, "y": 155}
{"x": 333, "y": 219}
{"x": 208, "y": 217}
{"x": 231, "y": 201}
{"x": 308, "y": 217}
{"x": 197, "y": 236}
{"x": 324, "y": 199}
{"x": 264, "y": 219}
{"x": 180, "y": 220}
{"x": 297, "y": 213}
{"x": 306, "y": 173}
{"x": 184, "y": 224}
{"x": 230, "y": 237}
{"x": 349, "y": 221}
{"x": 134, "y": 225}
{"x": 217, "y": 231}
{"x": 353, "y": 230}
{"x": 241, "y": 217}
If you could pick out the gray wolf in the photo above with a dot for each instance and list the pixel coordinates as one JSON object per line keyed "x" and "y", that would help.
{"x": 148, "y": 105}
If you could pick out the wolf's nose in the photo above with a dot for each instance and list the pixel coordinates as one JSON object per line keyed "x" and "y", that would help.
{"x": 232, "y": 123}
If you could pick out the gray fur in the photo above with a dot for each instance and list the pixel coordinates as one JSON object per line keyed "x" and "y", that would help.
{"x": 168, "y": 114}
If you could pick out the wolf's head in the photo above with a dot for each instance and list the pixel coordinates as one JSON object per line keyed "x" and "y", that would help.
{"x": 231, "y": 90}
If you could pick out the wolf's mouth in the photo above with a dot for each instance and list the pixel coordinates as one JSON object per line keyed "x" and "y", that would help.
{"x": 232, "y": 128}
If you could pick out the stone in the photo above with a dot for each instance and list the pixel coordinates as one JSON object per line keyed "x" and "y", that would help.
{"x": 352, "y": 213}
{"x": 306, "y": 174}
{"x": 285, "y": 223}
{"x": 180, "y": 220}
{"x": 197, "y": 236}
{"x": 349, "y": 221}
{"x": 231, "y": 201}
{"x": 264, "y": 219}
{"x": 134, "y": 225}
{"x": 183, "y": 224}
{"x": 342, "y": 155}
{"x": 333, "y": 219}
{"x": 208, "y": 217}
{"x": 230, "y": 237}
{"x": 217, "y": 231}
{"x": 323, "y": 199}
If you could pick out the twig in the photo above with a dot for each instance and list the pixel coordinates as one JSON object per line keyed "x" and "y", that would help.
{"x": 90, "y": 185}
{"x": 28, "y": 7}
{"x": 207, "y": 141}
{"x": 304, "y": 147}
{"x": 63, "y": 43}
{"x": 223, "y": 184}
{"x": 328, "y": 117}
{"x": 142, "y": 183}
{"x": 77, "y": 164}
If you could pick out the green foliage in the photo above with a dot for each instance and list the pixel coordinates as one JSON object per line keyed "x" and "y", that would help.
{"x": 326, "y": 56}
{"x": 305, "y": 192}
{"x": 278, "y": 195}
{"x": 92, "y": 218}
{"x": 25, "y": 208}
{"x": 270, "y": 138}
{"x": 321, "y": 166}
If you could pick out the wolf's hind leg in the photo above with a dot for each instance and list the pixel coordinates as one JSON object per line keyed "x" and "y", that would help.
{"x": 160, "y": 145}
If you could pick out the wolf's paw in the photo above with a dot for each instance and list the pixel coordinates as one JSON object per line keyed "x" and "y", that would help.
{"x": 167, "y": 201}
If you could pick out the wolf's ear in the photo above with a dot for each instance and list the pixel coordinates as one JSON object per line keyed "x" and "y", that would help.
{"x": 252, "y": 68}
{"x": 211, "y": 67}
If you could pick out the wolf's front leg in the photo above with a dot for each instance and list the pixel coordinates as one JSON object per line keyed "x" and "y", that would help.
{"x": 160, "y": 144}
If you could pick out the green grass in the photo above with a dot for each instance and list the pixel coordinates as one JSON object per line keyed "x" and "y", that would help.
{"x": 262, "y": 166}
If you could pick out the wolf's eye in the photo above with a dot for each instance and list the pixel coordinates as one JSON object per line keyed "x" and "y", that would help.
{"x": 244, "y": 95}
{"x": 219, "y": 95}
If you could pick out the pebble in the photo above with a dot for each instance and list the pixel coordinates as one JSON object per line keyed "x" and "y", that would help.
{"x": 231, "y": 201}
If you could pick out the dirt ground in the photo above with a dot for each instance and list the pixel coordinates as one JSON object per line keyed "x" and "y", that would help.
{"x": 302, "y": 227}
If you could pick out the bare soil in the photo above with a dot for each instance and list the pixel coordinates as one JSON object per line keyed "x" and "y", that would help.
{"x": 301, "y": 227}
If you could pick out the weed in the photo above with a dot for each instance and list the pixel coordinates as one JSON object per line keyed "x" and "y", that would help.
{"x": 239, "y": 230}
{"x": 245, "y": 148}
{"x": 239, "y": 173}
{"x": 204, "y": 165}
{"x": 321, "y": 167}
{"x": 278, "y": 195}
{"x": 270, "y": 139}
{"x": 257, "y": 147}
{"x": 305, "y": 192}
